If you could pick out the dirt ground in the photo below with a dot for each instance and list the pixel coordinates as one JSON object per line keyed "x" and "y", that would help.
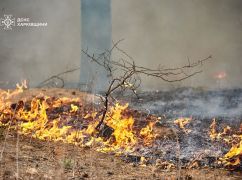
{"x": 23, "y": 157}
{"x": 35, "y": 159}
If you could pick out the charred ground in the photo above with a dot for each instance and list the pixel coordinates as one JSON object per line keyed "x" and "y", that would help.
{"x": 38, "y": 159}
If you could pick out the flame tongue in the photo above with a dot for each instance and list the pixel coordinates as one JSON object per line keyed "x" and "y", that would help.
{"x": 123, "y": 128}
{"x": 233, "y": 157}
{"x": 54, "y": 119}
{"x": 182, "y": 122}
{"x": 148, "y": 134}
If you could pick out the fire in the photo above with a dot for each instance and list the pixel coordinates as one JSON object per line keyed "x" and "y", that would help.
{"x": 36, "y": 119}
{"x": 46, "y": 119}
{"x": 220, "y": 75}
{"x": 22, "y": 86}
{"x": 233, "y": 157}
{"x": 148, "y": 134}
{"x": 123, "y": 128}
{"x": 74, "y": 108}
{"x": 225, "y": 135}
{"x": 69, "y": 121}
{"x": 182, "y": 122}
{"x": 64, "y": 100}
{"x": 5, "y": 97}
{"x": 213, "y": 132}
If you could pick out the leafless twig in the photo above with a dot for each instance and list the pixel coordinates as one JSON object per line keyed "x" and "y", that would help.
{"x": 124, "y": 74}
{"x": 56, "y": 77}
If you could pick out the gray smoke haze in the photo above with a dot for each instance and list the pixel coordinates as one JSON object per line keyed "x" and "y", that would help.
{"x": 156, "y": 32}
{"x": 187, "y": 102}
{"x": 36, "y": 53}
{"x": 166, "y": 32}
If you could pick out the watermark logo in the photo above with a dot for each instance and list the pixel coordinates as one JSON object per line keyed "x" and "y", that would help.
{"x": 7, "y": 22}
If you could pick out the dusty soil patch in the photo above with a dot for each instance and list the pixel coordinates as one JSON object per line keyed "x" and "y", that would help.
{"x": 47, "y": 160}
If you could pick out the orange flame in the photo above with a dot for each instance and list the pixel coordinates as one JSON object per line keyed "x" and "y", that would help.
{"x": 22, "y": 86}
{"x": 213, "y": 132}
{"x": 34, "y": 121}
{"x": 233, "y": 157}
{"x": 220, "y": 75}
{"x": 182, "y": 122}
{"x": 148, "y": 134}
{"x": 123, "y": 128}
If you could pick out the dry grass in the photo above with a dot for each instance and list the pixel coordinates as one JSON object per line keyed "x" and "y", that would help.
{"x": 47, "y": 160}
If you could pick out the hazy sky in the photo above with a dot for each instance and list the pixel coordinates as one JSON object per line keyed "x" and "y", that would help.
{"x": 167, "y": 32}
{"x": 156, "y": 32}
{"x": 37, "y": 53}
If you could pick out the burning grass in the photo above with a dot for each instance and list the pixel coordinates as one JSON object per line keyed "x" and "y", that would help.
{"x": 67, "y": 120}
{"x": 233, "y": 158}
{"x": 128, "y": 133}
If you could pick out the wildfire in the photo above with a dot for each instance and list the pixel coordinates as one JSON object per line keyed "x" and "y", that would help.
{"x": 74, "y": 108}
{"x": 220, "y": 75}
{"x": 232, "y": 158}
{"x": 123, "y": 128}
{"x": 22, "y": 86}
{"x": 148, "y": 134}
{"x": 213, "y": 133}
{"x": 182, "y": 122}
{"x": 69, "y": 121}
{"x": 51, "y": 119}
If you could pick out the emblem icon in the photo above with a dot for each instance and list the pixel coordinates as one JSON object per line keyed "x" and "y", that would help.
{"x": 8, "y": 21}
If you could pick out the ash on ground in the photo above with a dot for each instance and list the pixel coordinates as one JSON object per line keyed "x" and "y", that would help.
{"x": 202, "y": 106}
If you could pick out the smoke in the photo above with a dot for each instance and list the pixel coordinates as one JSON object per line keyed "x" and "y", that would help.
{"x": 167, "y": 32}
{"x": 223, "y": 105}
{"x": 163, "y": 32}
{"x": 192, "y": 102}
{"x": 156, "y": 32}
{"x": 36, "y": 53}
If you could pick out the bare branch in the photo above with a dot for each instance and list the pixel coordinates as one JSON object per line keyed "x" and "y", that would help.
{"x": 128, "y": 72}
{"x": 57, "y": 76}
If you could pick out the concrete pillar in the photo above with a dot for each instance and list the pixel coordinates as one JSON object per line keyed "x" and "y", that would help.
{"x": 96, "y": 32}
